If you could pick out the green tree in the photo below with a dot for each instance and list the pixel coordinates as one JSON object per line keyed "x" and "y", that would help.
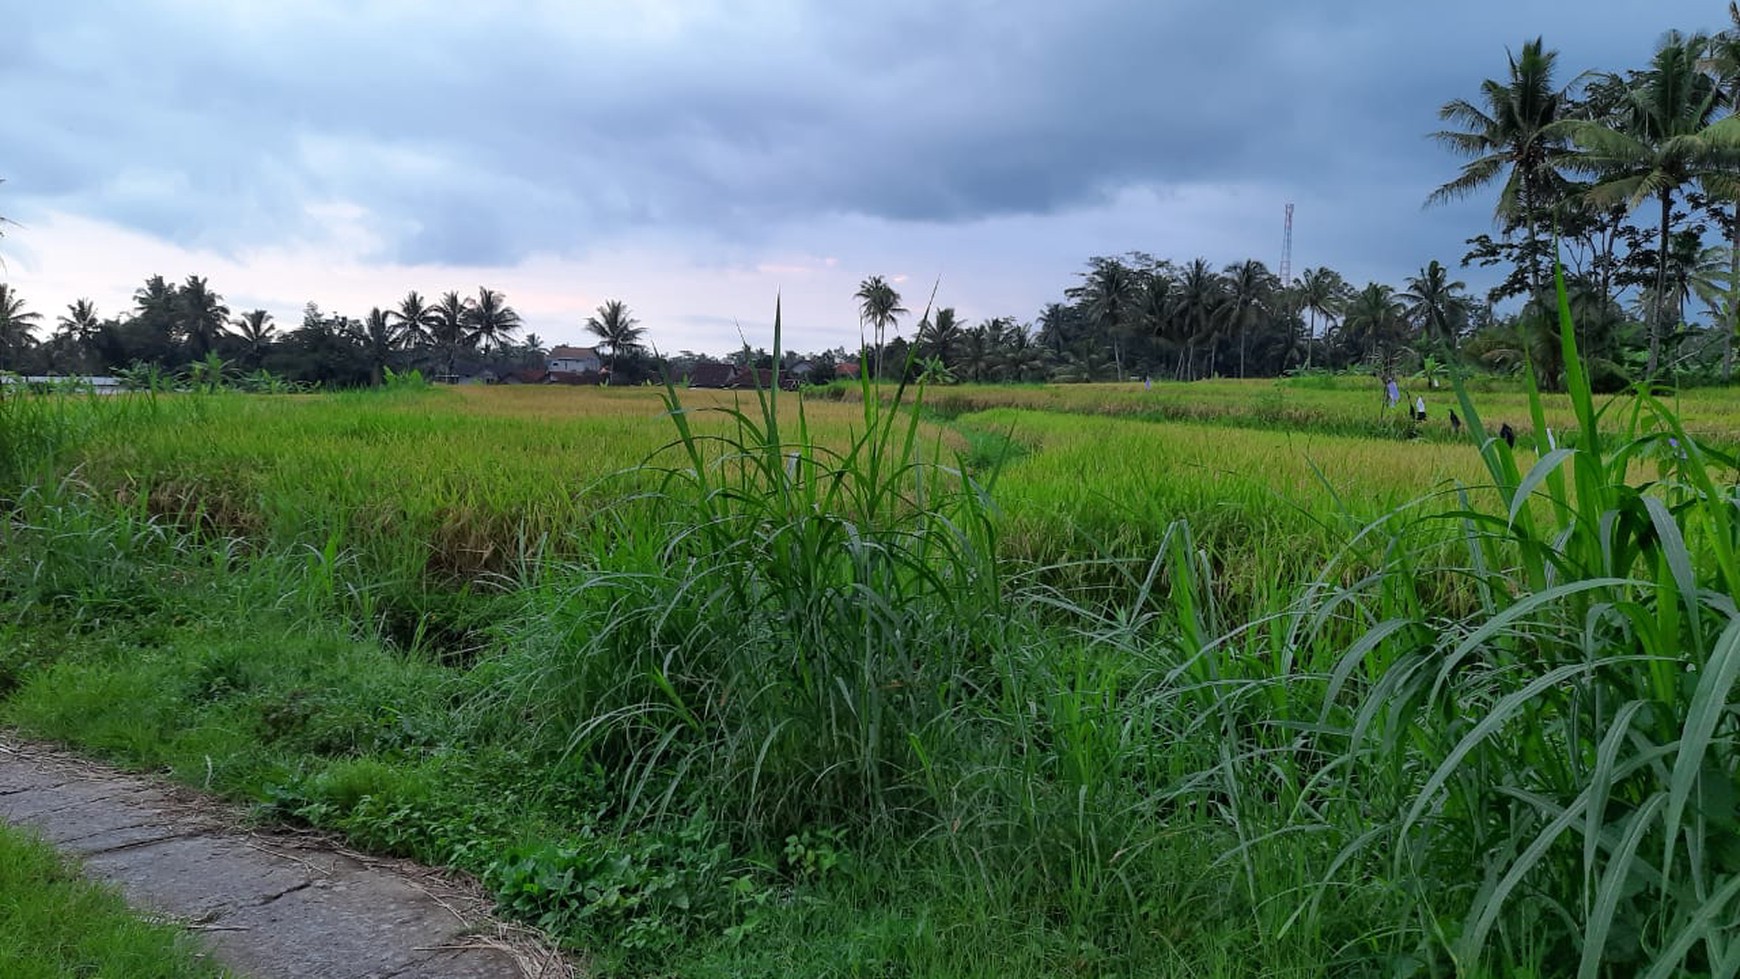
{"x": 1666, "y": 139}
{"x": 201, "y": 315}
{"x": 16, "y": 324}
{"x": 1250, "y": 288}
{"x": 1110, "y": 297}
{"x": 1321, "y": 293}
{"x": 878, "y": 308}
{"x": 1435, "y": 305}
{"x": 1723, "y": 62}
{"x": 1514, "y": 135}
{"x": 615, "y": 329}
{"x": 380, "y": 336}
{"x": 1027, "y": 358}
{"x": 154, "y": 320}
{"x": 939, "y": 337}
{"x": 489, "y": 320}
{"x": 1196, "y": 311}
{"x": 256, "y": 332}
{"x": 448, "y": 331}
{"x": 1376, "y": 324}
{"x": 80, "y": 322}
{"x": 76, "y": 337}
{"x": 416, "y": 319}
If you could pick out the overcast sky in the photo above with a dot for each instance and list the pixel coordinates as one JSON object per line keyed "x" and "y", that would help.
{"x": 695, "y": 159}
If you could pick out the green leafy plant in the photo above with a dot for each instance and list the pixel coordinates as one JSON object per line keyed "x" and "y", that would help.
{"x": 411, "y": 380}
{"x": 1548, "y": 779}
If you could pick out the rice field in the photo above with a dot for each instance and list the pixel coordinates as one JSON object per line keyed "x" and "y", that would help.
{"x": 467, "y": 480}
{"x": 1227, "y": 678}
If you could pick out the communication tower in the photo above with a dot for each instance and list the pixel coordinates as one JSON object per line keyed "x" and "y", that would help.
{"x": 1287, "y": 248}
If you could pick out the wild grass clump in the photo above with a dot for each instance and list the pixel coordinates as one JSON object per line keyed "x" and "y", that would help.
{"x": 37, "y": 430}
{"x": 1548, "y": 784}
{"x": 776, "y": 626}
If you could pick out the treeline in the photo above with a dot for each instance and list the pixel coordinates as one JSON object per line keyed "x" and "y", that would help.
{"x": 173, "y": 327}
{"x": 1625, "y": 176}
{"x": 1136, "y": 316}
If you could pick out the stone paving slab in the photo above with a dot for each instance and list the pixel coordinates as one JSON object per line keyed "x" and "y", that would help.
{"x": 271, "y": 904}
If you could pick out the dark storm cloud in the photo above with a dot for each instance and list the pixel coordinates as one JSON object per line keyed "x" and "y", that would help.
{"x": 477, "y": 136}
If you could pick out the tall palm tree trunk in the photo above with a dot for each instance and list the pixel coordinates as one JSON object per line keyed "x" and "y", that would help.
{"x": 1661, "y": 267}
{"x": 1733, "y": 296}
{"x": 1534, "y": 242}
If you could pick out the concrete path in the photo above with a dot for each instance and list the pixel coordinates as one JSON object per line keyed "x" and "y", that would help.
{"x": 271, "y": 904}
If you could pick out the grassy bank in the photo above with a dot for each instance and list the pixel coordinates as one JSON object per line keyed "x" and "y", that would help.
{"x": 1112, "y": 696}
{"x": 55, "y": 924}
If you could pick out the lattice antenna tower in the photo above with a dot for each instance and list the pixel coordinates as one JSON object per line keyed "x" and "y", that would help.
{"x": 1287, "y": 248}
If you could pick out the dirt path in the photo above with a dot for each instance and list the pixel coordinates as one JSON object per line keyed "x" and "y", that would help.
{"x": 271, "y": 904}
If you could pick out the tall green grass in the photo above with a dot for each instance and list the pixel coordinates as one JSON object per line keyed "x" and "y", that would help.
{"x": 776, "y": 625}
{"x": 1546, "y": 784}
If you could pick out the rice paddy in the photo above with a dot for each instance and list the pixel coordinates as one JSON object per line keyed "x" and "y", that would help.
{"x": 1224, "y": 678}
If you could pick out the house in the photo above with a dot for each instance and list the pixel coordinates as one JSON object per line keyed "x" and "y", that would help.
{"x": 759, "y": 377}
{"x": 736, "y": 378}
{"x": 846, "y": 370}
{"x": 712, "y": 375}
{"x": 581, "y": 378}
{"x": 573, "y": 360}
{"x": 99, "y": 384}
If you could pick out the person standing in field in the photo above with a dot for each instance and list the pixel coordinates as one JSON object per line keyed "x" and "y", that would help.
{"x": 1420, "y": 409}
{"x": 1393, "y": 393}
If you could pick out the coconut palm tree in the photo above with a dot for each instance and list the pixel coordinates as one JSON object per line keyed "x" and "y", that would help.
{"x": 1665, "y": 140}
{"x": 1110, "y": 297}
{"x": 202, "y": 315}
{"x": 1722, "y": 61}
{"x": 1154, "y": 307}
{"x": 615, "y": 329}
{"x": 257, "y": 333}
{"x": 1433, "y": 303}
{"x": 416, "y": 319}
{"x": 1024, "y": 358}
{"x": 1250, "y": 287}
{"x": 879, "y": 308}
{"x": 1375, "y": 323}
{"x": 380, "y": 336}
{"x": 447, "y": 331}
{"x": 977, "y": 356}
{"x": 1195, "y": 311}
{"x": 80, "y": 323}
{"x": 940, "y": 336}
{"x": 1322, "y": 292}
{"x": 1514, "y": 136}
{"x": 16, "y": 324}
{"x": 490, "y": 321}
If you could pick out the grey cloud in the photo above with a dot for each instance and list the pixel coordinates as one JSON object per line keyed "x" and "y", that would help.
{"x": 476, "y": 136}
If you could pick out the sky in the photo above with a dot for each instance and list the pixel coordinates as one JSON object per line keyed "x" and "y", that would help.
{"x": 698, "y": 159}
